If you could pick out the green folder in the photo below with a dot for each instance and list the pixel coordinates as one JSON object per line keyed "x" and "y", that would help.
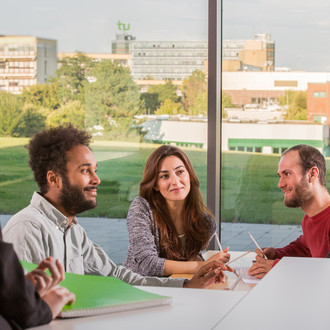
{"x": 103, "y": 294}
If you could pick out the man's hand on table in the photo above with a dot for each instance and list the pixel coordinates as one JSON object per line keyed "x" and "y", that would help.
{"x": 262, "y": 266}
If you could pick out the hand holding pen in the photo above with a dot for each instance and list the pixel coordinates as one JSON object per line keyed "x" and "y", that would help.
{"x": 269, "y": 252}
{"x": 223, "y": 256}
{"x": 257, "y": 245}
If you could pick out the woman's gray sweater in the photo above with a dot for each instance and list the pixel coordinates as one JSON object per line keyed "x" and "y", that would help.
{"x": 144, "y": 246}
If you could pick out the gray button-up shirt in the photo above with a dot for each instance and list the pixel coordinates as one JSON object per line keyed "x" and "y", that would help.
{"x": 40, "y": 230}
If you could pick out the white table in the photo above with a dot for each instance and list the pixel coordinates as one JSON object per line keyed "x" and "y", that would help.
{"x": 190, "y": 309}
{"x": 295, "y": 294}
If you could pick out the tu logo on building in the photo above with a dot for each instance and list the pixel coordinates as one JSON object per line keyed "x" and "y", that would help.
{"x": 123, "y": 26}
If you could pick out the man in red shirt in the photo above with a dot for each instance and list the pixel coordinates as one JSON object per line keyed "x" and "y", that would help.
{"x": 301, "y": 172}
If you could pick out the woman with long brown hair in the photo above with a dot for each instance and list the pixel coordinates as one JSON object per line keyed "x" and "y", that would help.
{"x": 168, "y": 223}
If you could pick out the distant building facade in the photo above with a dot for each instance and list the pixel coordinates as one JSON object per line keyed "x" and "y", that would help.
{"x": 176, "y": 60}
{"x": 26, "y": 61}
{"x": 168, "y": 60}
{"x": 266, "y": 87}
{"x": 122, "y": 59}
{"x": 249, "y": 55}
{"x": 318, "y": 102}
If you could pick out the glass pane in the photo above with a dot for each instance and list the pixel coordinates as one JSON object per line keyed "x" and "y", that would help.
{"x": 274, "y": 88}
{"x": 133, "y": 73}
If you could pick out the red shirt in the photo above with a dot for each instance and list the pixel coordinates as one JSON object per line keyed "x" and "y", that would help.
{"x": 315, "y": 240}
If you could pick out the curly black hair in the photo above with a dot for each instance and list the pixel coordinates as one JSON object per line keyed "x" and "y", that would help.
{"x": 47, "y": 151}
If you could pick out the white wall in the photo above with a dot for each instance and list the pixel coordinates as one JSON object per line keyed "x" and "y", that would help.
{"x": 265, "y": 80}
{"x": 196, "y": 132}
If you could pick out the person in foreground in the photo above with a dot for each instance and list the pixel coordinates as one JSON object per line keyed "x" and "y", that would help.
{"x": 65, "y": 169}
{"x": 301, "y": 172}
{"x": 33, "y": 299}
{"x": 168, "y": 223}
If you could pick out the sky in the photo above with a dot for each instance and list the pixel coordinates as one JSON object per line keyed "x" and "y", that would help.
{"x": 300, "y": 29}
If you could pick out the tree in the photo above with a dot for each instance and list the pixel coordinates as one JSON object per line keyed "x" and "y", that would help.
{"x": 10, "y": 113}
{"x": 72, "y": 76}
{"x": 193, "y": 86}
{"x": 170, "y": 108}
{"x": 72, "y": 112}
{"x": 288, "y": 98}
{"x": 200, "y": 105}
{"x": 43, "y": 96}
{"x": 149, "y": 102}
{"x": 296, "y": 102}
{"x": 165, "y": 92}
{"x": 295, "y": 113}
{"x": 30, "y": 122}
{"x": 226, "y": 101}
{"x": 112, "y": 95}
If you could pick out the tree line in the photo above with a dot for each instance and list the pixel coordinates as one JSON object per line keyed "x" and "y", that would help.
{"x": 91, "y": 93}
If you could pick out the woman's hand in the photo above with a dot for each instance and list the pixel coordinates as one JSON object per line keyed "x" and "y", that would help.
{"x": 223, "y": 256}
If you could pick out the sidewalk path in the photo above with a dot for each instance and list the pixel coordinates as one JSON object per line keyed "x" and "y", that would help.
{"x": 112, "y": 236}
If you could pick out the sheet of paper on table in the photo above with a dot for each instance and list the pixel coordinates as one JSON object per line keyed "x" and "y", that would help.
{"x": 246, "y": 278}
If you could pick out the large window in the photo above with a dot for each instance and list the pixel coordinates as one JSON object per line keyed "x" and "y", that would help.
{"x": 133, "y": 73}
{"x": 268, "y": 85}
{"x": 233, "y": 83}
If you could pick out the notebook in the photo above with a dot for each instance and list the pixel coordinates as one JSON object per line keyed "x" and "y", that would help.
{"x": 103, "y": 294}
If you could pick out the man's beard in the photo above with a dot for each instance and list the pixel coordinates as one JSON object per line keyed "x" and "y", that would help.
{"x": 73, "y": 200}
{"x": 301, "y": 195}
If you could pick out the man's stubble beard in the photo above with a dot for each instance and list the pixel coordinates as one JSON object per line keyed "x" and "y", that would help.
{"x": 301, "y": 195}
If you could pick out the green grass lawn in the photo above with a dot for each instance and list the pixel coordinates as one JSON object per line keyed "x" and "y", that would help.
{"x": 249, "y": 182}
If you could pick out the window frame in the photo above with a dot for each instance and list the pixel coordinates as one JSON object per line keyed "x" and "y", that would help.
{"x": 214, "y": 110}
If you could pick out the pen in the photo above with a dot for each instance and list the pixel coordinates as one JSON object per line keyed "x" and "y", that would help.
{"x": 235, "y": 272}
{"x": 218, "y": 241}
{"x": 242, "y": 255}
{"x": 220, "y": 248}
{"x": 257, "y": 245}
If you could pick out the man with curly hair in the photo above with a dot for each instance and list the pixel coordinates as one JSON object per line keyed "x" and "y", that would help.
{"x": 65, "y": 170}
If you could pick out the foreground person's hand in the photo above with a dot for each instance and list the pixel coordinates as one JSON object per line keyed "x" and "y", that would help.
{"x": 42, "y": 281}
{"x": 56, "y": 298}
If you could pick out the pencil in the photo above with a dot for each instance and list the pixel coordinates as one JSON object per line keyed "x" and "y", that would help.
{"x": 257, "y": 245}
{"x": 242, "y": 255}
{"x": 235, "y": 283}
{"x": 218, "y": 241}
